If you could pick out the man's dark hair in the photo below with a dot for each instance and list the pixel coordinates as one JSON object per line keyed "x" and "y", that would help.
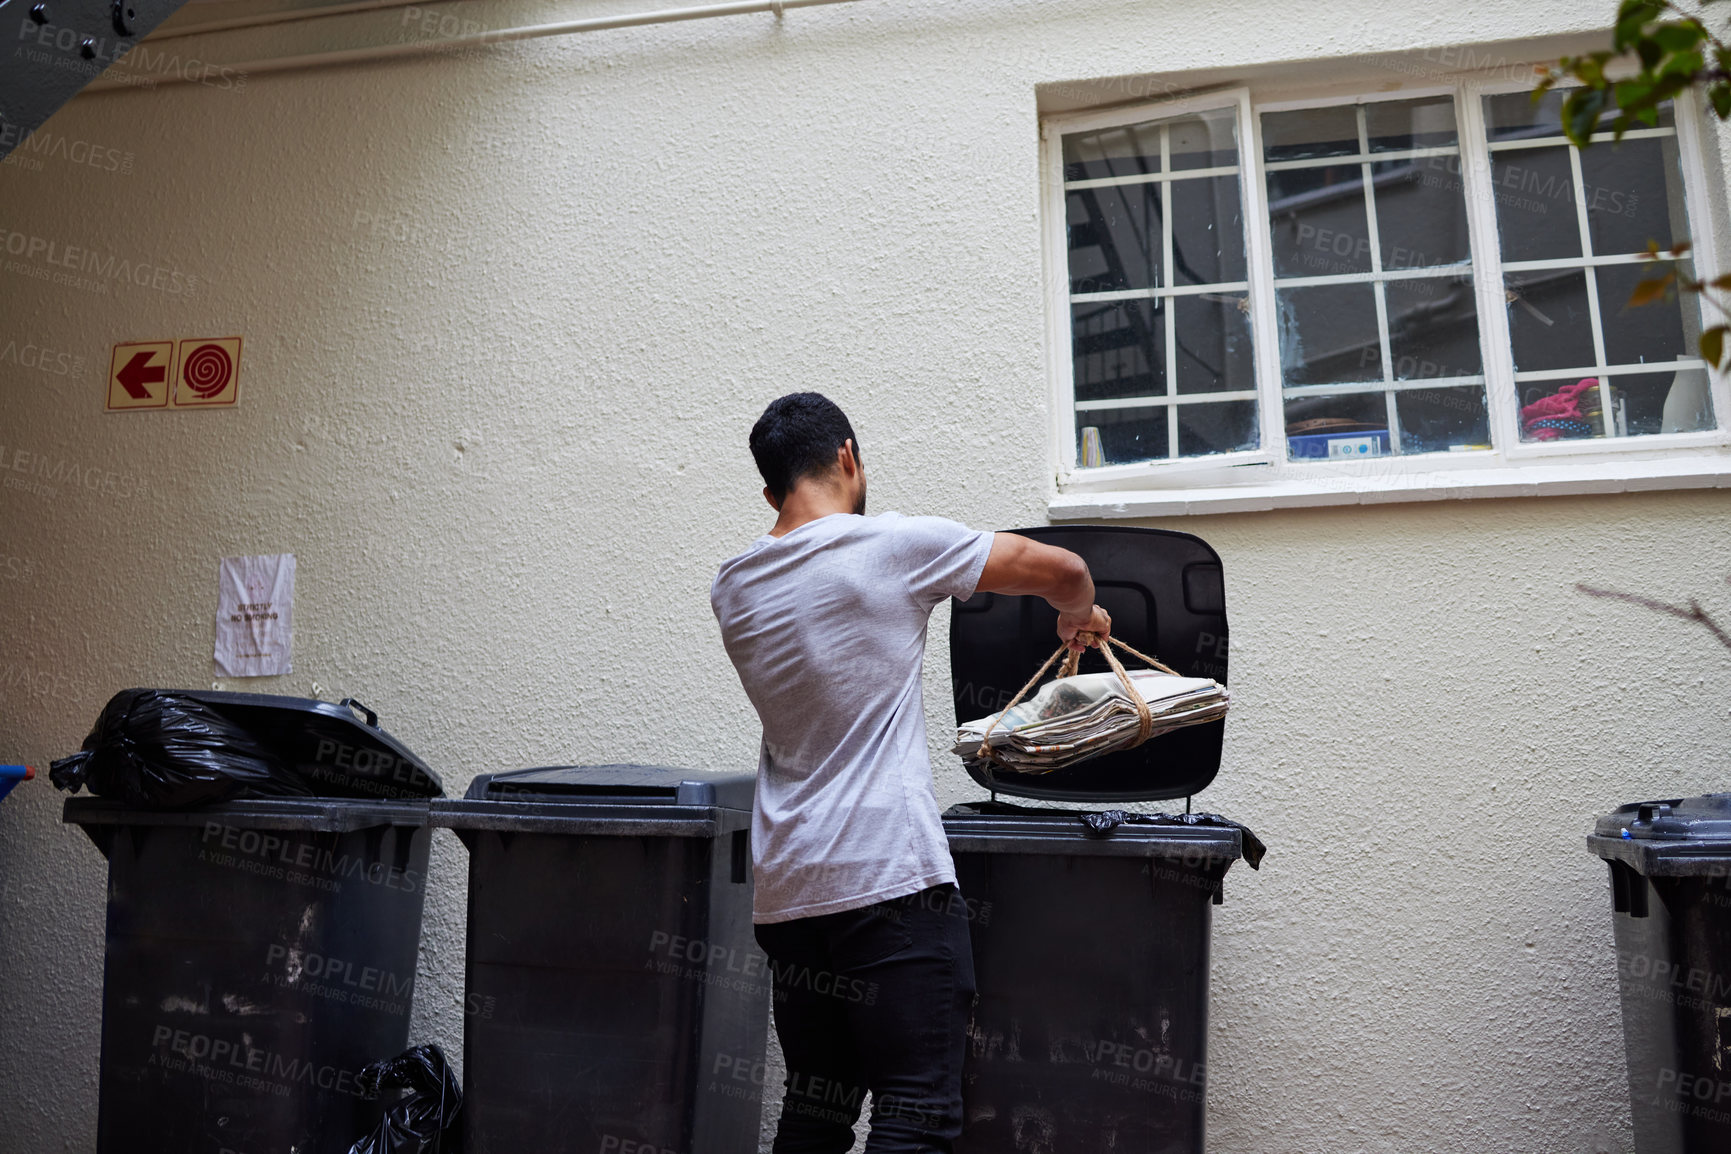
{"x": 798, "y": 436}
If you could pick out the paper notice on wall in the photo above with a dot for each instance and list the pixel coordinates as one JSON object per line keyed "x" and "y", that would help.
{"x": 255, "y": 615}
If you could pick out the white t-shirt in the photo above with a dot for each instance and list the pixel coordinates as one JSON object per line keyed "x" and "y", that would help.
{"x": 827, "y": 628}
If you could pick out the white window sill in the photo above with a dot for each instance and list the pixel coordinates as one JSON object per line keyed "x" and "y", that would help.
{"x": 1527, "y": 480}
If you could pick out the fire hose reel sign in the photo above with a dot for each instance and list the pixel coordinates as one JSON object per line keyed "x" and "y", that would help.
{"x": 209, "y": 372}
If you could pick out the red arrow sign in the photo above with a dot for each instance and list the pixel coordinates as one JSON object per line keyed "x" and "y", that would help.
{"x": 139, "y": 372}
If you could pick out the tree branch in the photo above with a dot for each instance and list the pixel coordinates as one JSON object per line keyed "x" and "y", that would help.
{"x": 1693, "y": 612}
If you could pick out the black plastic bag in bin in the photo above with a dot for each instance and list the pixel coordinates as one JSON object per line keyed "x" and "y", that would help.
{"x": 417, "y": 1124}
{"x": 160, "y": 750}
{"x": 177, "y": 749}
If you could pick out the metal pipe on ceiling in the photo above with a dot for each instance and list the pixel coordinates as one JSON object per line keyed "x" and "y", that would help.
{"x": 433, "y": 47}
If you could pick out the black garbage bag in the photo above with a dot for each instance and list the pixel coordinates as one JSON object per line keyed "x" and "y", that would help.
{"x": 1103, "y": 823}
{"x": 176, "y": 749}
{"x": 157, "y": 749}
{"x": 424, "y": 1121}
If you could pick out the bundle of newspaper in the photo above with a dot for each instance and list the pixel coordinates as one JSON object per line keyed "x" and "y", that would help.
{"x": 1074, "y": 718}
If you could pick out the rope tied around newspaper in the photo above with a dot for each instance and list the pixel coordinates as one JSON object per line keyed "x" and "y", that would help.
{"x": 1072, "y": 657}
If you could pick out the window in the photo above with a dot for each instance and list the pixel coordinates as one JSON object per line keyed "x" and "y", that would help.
{"x": 1373, "y": 280}
{"x": 1159, "y": 302}
{"x": 1569, "y": 264}
{"x": 1416, "y": 290}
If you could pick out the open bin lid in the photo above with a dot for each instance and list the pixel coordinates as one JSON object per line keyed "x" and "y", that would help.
{"x": 1166, "y": 594}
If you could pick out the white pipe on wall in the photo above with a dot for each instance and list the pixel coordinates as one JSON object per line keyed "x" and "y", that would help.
{"x": 269, "y": 18}
{"x": 429, "y": 47}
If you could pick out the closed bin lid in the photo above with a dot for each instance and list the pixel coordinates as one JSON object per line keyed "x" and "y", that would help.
{"x": 1694, "y": 818}
{"x": 1166, "y": 594}
{"x": 635, "y": 785}
{"x": 1672, "y": 837}
{"x": 338, "y": 744}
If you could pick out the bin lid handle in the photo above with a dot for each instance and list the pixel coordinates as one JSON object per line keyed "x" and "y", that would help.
{"x": 351, "y": 703}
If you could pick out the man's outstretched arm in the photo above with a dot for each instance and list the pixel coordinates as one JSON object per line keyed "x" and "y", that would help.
{"x": 1023, "y": 567}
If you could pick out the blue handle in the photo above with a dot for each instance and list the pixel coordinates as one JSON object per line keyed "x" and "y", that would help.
{"x": 11, "y": 775}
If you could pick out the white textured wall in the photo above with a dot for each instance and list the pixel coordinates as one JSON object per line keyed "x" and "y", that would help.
{"x": 508, "y": 318}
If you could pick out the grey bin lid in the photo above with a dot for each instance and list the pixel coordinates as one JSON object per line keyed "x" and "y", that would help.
{"x": 1676, "y": 837}
{"x": 635, "y": 785}
{"x": 309, "y": 814}
{"x": 1694, "y": 818}
{"x": 994, "y": 828}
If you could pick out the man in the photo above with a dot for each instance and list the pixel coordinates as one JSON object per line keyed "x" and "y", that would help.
{"x": 856, "y": 902}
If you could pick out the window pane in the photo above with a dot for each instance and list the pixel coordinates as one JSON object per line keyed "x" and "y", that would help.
{"x": 1310, "y": 132}
{"x": 1564, "y": 409}
{"x": 1209, "y": 140}
{"x": 1207, "y": 231}
{"x": 1635, "y": 335}
{"x": 1397, "y": 125}
{"x": 1437, "y": 420}
{"x": 1213, "y": 341}
{"x": 1535, "y": 194}
{"x": 1549, "y": 324}
{"x": 1118, "y": 349}
{"x": 1421, "y": 213}
{"x": 1126, "y": 435}
{"x": 1514, "y": 116}
{"x": 1433, "y": 328}
{"x": 1115, "y": 240}
{"x": 1634, "y": 195}
{"x": 1219, "y": 427}
{"x": 1664, "y": 402}
{"x": 1340, "y": 427}
{"x": 1120, "y": 151}
{"x": 1318, "y": 221}
{"x": 1328, "y": 334}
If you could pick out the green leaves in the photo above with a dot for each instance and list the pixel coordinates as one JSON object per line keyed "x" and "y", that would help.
{"x": 1633, "y": 16}
{"x": 1719, "y": 95}
{"x": 1684, "y": 36}
{"x": 1670, "y": 51}
{"x": 1581, "y": 111}
{"x": 1673, "y": 55}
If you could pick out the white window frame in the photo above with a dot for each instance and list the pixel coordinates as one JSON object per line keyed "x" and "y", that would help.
{"x": 1265, "y": 478}
{"x": 1057, "y": 262}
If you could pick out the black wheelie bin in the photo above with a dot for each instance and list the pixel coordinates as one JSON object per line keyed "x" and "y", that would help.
{"x": 261, "y": 951}
{"x": 615, "y": 1001}
{"x": 1670, "y": 865}
{"x": 1091, "y": 928}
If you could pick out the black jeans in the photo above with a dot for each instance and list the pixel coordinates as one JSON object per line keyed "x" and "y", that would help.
{"x": 873, "y": 999}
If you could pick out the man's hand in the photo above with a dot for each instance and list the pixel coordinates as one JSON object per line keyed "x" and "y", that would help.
{"x": 1096, "y": 621}
{"x": 1024, "y": 567}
